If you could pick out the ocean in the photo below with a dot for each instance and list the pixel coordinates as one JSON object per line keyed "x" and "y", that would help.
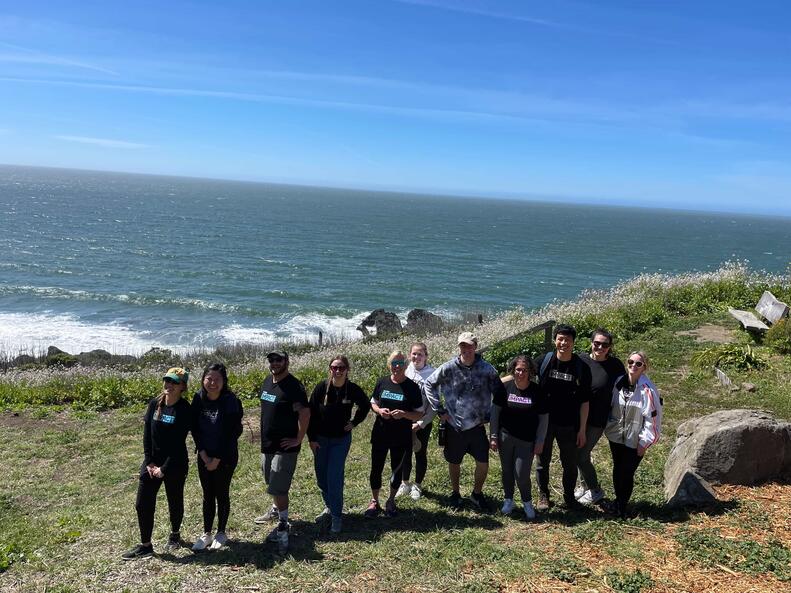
{"x": 127, "y": 262}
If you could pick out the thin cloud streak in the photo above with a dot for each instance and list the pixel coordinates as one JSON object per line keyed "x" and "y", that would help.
{"x": 107, "y": 143}
{"x": 33, "y": 56}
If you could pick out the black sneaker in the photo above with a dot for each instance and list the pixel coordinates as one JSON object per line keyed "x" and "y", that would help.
{"x": 455, "y": 501}
{"x": 480, "y": 502}
{"x": 174, "y": 541}
{"x": 139, "y": 551}
{"x": 543, "y": 503}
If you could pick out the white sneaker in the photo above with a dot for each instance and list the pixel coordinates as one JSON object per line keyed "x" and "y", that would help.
{"x": 530, "y": 512}
{"x": 276, "y": 534}
{"x": 323, "y": 515}
{"x": 219, "y": 541}
{"x": 508, "y": 506}
{"x": 416, "y": 492}
{"x": 202, "y": 542}
{"x": 579, "y": 491}
{"x": 404, "y": 489}
{"x": 591, "y": 496}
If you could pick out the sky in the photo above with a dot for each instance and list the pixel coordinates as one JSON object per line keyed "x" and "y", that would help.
{"x": 671, "y": 104}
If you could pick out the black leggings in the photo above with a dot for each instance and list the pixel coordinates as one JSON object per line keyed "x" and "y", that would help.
{"x": 216, "y": 493}
{"x": 566, "y": 436}
{"x": 624, "y": 465}
{"x": 146, "y": 503}
{"x": 421, "y": 457}
{"x": 378, "y": 456}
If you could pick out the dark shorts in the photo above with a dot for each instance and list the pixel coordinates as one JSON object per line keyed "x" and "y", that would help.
{"x": 472, "y": 441}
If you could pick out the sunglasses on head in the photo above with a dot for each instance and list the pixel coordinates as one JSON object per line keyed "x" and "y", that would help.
{"x": 598, "y": 344}
{"x": 635, "y": 363}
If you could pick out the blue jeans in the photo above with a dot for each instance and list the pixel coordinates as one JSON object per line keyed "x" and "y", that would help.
{"x": 330, "y": 463}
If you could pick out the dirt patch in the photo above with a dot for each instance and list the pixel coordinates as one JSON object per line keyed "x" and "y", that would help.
{"x": 710, "y": 333}
{"x": 25, "y": 422}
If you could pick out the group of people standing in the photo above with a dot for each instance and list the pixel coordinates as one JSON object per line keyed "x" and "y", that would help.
{"x": 559, "y": 397}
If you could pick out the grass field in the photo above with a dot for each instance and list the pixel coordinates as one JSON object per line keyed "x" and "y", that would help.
{"x": 67, "y": 510}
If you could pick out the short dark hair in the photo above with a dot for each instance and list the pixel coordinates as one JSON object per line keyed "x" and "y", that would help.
{"x": 600, "y": 331}
{"x": 566, "y": 330}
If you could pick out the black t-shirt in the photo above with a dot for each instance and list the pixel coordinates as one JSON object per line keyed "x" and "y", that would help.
{"x": 520, "y": 409}
{"x": 331, "y": 410}
{"x": 603, "y": 376}
{"x": 165, "y": 435}
{"x": 567, "y": 385}
{"x": 280, "y": 406}
{"x": 395, "y": 396}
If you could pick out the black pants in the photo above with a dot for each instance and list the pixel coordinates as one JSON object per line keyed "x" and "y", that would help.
{"x": 147, "y": 489}
{"x": 378, "y": 456}
{"x": 624, "y": 465}
{"x": 216, "y": 493}
{"x": 566, "y": 436}
{"x": 421, "y": 457}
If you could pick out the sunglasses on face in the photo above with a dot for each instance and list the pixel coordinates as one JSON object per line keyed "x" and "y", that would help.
{"x": 337, "y": 368}
{"x": 635, "y": 363}
{"x": 398, "y": 363}
{"x": 276, "y": 359}
{"x": 170, "y": 381}
{"x": 597, "y": 344}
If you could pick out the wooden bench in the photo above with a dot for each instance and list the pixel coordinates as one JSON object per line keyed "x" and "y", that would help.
{"x": 768, "y": 307}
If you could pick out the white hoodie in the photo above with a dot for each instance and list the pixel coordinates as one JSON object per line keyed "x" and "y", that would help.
{"x": 635, "y": 418}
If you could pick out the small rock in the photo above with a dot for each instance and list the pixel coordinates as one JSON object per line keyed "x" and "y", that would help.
{"x": 748, "y": 387}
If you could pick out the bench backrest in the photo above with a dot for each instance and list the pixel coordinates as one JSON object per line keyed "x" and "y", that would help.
{"x": 771, "y": 308}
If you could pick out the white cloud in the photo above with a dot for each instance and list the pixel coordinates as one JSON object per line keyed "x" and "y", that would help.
{"x": 108, "y": 143}
{"x": 26, "y": 55}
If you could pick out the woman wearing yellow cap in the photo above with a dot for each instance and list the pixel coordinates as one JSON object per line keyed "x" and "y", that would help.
{"x": 167, "y": 422}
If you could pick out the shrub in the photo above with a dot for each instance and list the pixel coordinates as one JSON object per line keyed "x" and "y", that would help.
{"x": 734, "y": 356}
{"x": 630, "y": 582}
{"x": 779, "y": 337}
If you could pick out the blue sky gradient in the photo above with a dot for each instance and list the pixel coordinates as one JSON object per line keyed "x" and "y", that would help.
{"x": 669, "y": 104}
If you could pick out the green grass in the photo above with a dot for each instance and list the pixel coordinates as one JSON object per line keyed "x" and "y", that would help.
{"x": 71, "y": 460}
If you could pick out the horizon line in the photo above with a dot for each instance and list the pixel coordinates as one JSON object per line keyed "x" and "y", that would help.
{"x": 554, "y": 199}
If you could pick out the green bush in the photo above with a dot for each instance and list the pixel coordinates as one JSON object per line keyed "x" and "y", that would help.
{"x": 499, "y": 354}
{"x": 629, "y": 582}
{"x": 779, "y": 337}
{"x": 61, "y": 359}
{"x": 732, "y": 356}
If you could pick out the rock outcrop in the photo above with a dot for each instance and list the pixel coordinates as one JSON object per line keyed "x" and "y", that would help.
{"x": 726, "y": 447}
{"x": 420, "y": 321}
{"x": 385, "y": 322}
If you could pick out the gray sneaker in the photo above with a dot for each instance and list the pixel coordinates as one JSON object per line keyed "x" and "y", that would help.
{"x": 272, "y": 515}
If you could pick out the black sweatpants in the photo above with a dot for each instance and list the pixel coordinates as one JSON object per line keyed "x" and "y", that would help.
{"x": 147, "y": 489}
{"x": 421, "y": 457}
{"x": 378, "y": 456}
{"x": 216, "y": 493}
{"x": 624, "y": 465}
{"x": 566, "y": 436}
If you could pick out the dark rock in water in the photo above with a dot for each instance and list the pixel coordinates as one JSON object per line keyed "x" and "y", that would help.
{"x": 730, "y": 447}
{"x": 422, "y": 321}
{"x": 23, "y": 359}
{"x": 385, "y": 322}
{"x": 94, "y": 357}
{"x": 54, "y": 350}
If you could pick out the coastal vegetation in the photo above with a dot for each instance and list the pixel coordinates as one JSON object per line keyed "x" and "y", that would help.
{"x": 72, "y": 444}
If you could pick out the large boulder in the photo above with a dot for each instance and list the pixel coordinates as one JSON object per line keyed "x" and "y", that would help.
{"x": 726, "y": 447}
{"x": 420, "y": 321}
{"x": 385, "y": 322}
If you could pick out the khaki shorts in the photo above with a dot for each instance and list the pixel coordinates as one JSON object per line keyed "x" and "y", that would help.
{"x": 278, "y": 470}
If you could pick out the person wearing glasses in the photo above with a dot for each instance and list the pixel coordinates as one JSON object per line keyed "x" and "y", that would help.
{"x": 165, "y": 426}
{"x": 330, "y": 434}
{"x": 397, "y": 402}
{"x": 633, "y": 426}
{"x": 418, "y": 370}
{"x": 518, "y": 426}
{"x": 605, "y": 369}
{"x": 285, "y": 416}
{"x": 461, "y": 393}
